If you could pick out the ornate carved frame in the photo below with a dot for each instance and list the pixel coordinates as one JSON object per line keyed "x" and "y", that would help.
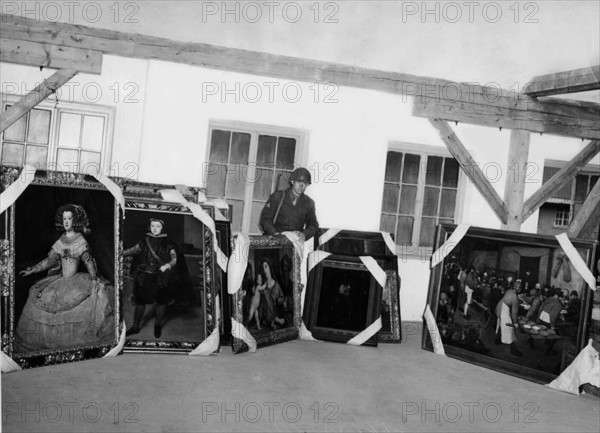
{"x": 146, "y": 197}
{"x": 223, "y": 229}
{"x": 267, "y": 338}
{"x": 393, "y": 289}
{"x": 313, "y": 295}
{"x": 512, "y": 365}
{"x": 8, "y": 175}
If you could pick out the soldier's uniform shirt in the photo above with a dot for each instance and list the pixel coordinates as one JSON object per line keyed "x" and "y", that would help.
{"x": 299, "y": 217}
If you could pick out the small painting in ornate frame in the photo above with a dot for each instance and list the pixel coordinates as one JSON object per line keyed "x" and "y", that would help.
{"x": 60, "y": 270}
{"x": 342, "y": 299}
{"x": 268, "y": 301}
{"x": 170, "y": 311}
{"x": 362, "y": 243}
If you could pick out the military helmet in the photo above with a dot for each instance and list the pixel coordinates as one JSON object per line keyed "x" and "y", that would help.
{"x": 301, "y": 175}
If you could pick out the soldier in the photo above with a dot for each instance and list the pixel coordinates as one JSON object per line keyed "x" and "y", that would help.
{"x": 291, "y": 210}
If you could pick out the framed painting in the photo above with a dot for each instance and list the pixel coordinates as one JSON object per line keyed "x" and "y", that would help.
{"x": 168, "y": 269}
{"x": 223, "y": 232}
{"x": 342, "y": 299}
{"x": 268, "y": 301}
{"x": 60, "y": 270}
{"x": 354, "y": 243}
{"x": 360, "y": 243}
{"x": 510, "y": 301}
{"x": 390, "y": 310}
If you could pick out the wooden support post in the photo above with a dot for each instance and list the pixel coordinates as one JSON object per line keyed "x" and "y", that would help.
{"x": 514, "y": 191}
{"x": 471, "y": 168}
{"x": 588, "y": 217}
{"x": 34, "y": 97}
{"x": 559, "y": 179}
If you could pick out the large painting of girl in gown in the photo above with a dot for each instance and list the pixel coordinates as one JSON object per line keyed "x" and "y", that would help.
{"x": 63, "y": 234}
{"x": 67, "y": 307}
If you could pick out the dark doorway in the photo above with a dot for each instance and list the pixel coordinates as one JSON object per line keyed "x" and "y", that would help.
{"x": 529, "y": 270}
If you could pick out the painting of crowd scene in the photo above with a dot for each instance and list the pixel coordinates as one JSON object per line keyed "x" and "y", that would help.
{"x": 516, "y": 302}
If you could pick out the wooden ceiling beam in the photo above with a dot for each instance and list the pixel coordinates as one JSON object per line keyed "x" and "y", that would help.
{"x": 512, "y": 118}
{"x": 471, "y": 168}
{"x": 576, "y": 80}
{"x": 556, "y": 112}
{"x": 50, "y": 56}
{"x": 33, "y": 98}
{"x": 208, "y": 56}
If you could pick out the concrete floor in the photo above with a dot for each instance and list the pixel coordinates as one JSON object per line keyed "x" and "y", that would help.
{"x": 293, "y": 387}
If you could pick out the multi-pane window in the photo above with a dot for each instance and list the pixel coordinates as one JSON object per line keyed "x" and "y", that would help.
{"x": 246, "y": 166}
{"x": 81, "y": 137}
{"x": 27, "y": 140}
{"x": 562, "y": 216}
{"x": 574, "y": 191}
{"x": 583, "y": 186}
{"x": 65, "y": 137}
{"x": 420, "y": 191}
{"x": 569, "y": 198}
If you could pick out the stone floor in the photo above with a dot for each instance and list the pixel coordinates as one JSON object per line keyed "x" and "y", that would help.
{"x": 292, "y": 387}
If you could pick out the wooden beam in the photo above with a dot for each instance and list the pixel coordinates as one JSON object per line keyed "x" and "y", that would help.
{"x": 514, "y": 191}
{"x": 471, "y": 168}
{"x": 293, "y": 68}
{"x": 51, "y": 56}
{"x": 577, "y": 80}
{"x": 585, "y": 126}
{"x": 37, "y": 95}
{"x": 588, "y": 217}
{"x": 209, "y": 56}
{"x": 560, "y": 178}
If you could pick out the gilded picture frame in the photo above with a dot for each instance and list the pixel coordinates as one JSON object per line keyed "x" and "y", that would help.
{"x": 277, "y": 310}
{"x": 60, "y": 280}
{"x": 342, "y": 300}
{"x": 223, "y": 229}
{"x": 549, "y": 326}
{"x": 390, "y": 310}
{"x": 187, "y": 291}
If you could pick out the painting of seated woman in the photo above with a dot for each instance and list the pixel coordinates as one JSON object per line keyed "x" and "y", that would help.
{"x": 268, "y": 286}
{"x": 267, "y": 303}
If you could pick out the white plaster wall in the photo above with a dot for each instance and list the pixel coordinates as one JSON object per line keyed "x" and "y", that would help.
{"x": 166, "y": 133}
{"x": 121, "y": 85}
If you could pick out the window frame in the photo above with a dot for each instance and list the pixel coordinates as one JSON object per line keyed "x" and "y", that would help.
{"x": 564, "y": 211}
{"x": 57, "y": 107}
{"x": 589, "y": 170}
{"x": 424, "y": 151}
{"x": 255, "y": 129}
